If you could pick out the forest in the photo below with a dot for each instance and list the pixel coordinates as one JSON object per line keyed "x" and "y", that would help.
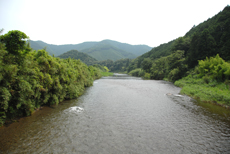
{"x": 30, "y": 79}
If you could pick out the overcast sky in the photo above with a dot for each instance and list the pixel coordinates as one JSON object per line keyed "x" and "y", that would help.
{"x": 150, "y": 22}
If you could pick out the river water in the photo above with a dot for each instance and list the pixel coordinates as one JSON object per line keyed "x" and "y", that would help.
{"x": 122, "y": 114}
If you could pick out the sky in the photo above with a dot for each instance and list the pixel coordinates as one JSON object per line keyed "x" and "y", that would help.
{"x": 149, "y": 22}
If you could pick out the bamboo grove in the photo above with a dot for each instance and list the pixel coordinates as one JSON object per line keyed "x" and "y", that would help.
{"x": 30, "y": 79}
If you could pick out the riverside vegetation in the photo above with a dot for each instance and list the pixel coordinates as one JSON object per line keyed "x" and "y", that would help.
{"x": 30, "y": 79}
{"x": 209, "y": 81}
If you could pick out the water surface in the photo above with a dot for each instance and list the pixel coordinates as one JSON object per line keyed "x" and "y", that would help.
{"x": 122, "y": 115}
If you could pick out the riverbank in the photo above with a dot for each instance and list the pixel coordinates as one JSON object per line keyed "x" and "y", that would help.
{"x": 211, "y": 91}
{"x": 17, "y": 118}
{"x": 106, "y": 74}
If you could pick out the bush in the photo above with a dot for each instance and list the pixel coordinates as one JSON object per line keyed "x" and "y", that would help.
{"x": 147, "y": 76}
{"x": 174, "y": 74}
{"x": 137, "y": 72}
{"x": 215, "y": 67}
{"x": 206, "y": 79}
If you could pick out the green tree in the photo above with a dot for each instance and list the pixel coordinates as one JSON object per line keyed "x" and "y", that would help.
{"x": 182, "y": 43}
{"x": 206, "y": 45}
{"x": 15, "y": 41}
{"x": 106, "y": 68}
{"x": 146, "y": 64}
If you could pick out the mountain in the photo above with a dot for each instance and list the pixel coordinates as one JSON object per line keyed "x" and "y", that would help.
{"x": 114, "y": 48}
{"x": 36, "y": 45}
{"x": 134, "y": 49}
{"x": 74, "y": 54}
{"x": 104, "y": 51}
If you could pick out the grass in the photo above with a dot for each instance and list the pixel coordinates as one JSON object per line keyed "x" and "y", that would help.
{"x": 106, "y": 74}
{"x": 213, "y": 91}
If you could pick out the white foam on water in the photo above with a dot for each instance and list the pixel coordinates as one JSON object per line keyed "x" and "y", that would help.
{"x": 76, "y": 109}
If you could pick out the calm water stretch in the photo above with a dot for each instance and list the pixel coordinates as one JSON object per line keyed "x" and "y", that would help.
{"x": 122, "y": 114}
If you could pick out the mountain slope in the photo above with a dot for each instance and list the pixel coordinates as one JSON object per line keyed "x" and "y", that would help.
{"x": 36, "y": 45}
{"x": 104, "y": 51}
{"x": 134, "y": 49}
{"x": 74, "y": 54}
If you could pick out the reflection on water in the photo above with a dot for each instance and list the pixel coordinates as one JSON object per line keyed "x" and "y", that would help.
{"x": 128, "y": 115}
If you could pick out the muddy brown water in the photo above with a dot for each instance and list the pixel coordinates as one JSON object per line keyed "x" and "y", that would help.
{"x": 122, "y": 114}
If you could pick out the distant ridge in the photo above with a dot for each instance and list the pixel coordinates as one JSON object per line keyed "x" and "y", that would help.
{"x": 99, "y": 50}
{"x": 104, "y": 51}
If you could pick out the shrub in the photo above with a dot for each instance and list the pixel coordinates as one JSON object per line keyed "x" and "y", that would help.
{"x": 147, "y": 76}
{"x": 215, "y": 67}
{"x": 137, "y": 72}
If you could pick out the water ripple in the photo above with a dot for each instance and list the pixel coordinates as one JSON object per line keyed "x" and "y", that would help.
{"x": 122, "y": 116}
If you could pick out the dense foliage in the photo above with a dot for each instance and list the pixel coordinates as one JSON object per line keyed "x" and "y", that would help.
{"x": 209, "y": 81}
{"x": 74, "y": 54}
{"x": 30, "y": 79}
{"x": 171, "y": 67}
{"x": 214, "y": 68}
{"x": 174, "y": 60}
{"x": 115, "y": 66}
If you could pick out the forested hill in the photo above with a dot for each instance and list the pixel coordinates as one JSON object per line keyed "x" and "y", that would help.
{"x": 104, "y": 51}
{"x": 130, "y": 51}
{"x": 204, "y": 40}
{"x": 74, "y": 54}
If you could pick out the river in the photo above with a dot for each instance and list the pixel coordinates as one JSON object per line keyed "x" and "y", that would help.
{"x": 122, "y": 114}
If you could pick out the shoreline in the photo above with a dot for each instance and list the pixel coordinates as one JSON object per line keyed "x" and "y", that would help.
{"x": 209, "y": 102}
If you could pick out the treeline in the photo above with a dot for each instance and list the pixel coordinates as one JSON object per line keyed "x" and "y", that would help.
{"x": 30, "y": 79}
{"x": 175, "y": 59}
{"x": 115, "y": 66}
